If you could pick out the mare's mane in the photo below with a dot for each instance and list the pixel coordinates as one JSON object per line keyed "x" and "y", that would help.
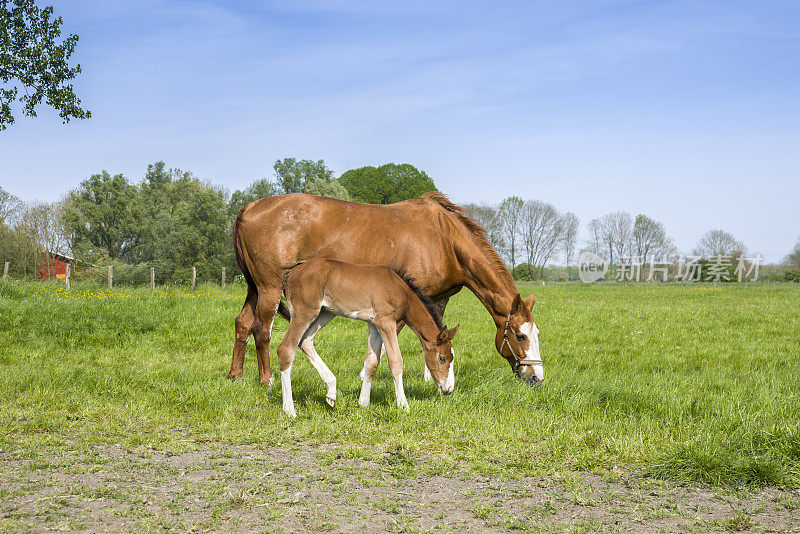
{"x": 433, "y": 311}
{"x": 478, "y": 232}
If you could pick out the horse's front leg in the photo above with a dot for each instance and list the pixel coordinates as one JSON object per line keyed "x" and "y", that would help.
{"x": 389, "y": 334}
{"x": 374, "y": 347}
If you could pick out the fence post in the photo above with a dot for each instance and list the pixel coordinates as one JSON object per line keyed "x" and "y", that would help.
{"x": 5, "y": 271}
{"x": 194, "y": 276}
{"x": 223, "y": 278}
{"x": 152, "y": 278}
{"x": 66, "y": 275}
{"x": 110, "y": 276}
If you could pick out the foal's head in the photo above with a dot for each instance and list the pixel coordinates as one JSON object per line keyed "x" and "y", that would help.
{"x": 439, "y": 359}
{"x": 517, "y": 340}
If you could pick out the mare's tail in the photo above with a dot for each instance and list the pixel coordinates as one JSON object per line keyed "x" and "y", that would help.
{"x": 252, "y": 290}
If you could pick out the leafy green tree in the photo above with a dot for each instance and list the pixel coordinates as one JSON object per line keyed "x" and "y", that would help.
{"x": 32, "y": 59}
{"x": 294, "y": 175}
{"x": 307, "y": 176}
{"x": 18, "y": 246}
{"x": 184, "y": 223}
{"x": 101, "y": 217}
{"x": 332, "y": 189}
{"x": 386, "y": 184}
{"x": 259, "y": 189}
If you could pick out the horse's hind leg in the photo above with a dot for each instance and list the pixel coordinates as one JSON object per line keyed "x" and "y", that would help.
{"x": 266, "y": 309}
{"x": 374, "y": 348}
{"x": 307, "y": 345}
{"x": 301, "y": 320}
{"x": 244, "y": 327}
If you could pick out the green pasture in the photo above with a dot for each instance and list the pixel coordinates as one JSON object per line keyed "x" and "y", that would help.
{"x": 686, "y": 382}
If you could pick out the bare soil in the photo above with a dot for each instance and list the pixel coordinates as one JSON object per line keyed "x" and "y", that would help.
{"x": 330, "y": 488}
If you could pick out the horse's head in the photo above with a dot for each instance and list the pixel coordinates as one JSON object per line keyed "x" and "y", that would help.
{"x": 439, "y": 359}
{"x": 517, "y": 340}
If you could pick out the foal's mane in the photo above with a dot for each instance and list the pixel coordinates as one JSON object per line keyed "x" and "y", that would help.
{"x": 478, "y": 232}
{"x": 433, "y": 311}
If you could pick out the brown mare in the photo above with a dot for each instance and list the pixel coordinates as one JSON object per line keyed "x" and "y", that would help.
{"x": 430, "y": 237}
{"x": 320, "y": 289}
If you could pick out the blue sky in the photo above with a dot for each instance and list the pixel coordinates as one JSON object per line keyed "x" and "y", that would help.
{"x": 686, "y": 111}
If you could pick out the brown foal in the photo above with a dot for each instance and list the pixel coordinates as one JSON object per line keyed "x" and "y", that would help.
{"x": 320, "y": 289}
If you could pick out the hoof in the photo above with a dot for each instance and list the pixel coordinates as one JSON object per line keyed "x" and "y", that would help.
{"x": 330, "y": 401}
{"x": 291, "y": 413}
{"x": 266, "y": 381}
{"x": 234, "y": 376}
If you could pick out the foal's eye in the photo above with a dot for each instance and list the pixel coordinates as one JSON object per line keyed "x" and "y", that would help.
{"x": 441, "y": 359}
{"x": 520, "y": 337}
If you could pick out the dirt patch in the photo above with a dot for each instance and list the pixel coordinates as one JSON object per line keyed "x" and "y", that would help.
{"x": 341, "y": 489}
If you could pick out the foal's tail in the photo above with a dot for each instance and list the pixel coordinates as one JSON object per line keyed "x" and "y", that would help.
{"x": 252, "y": 290}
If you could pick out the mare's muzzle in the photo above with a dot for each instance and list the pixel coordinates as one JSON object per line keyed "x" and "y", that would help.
{"x": 531, "y": 373}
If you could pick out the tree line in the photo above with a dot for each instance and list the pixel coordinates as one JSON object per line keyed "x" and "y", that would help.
{"x": 172, "y": 220}
{"x": 532, "y": 235}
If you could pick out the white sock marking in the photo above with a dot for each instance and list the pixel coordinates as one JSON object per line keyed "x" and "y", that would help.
{"x": 286, "y": 391}
{"x": 324, "y": 373}
{"x": 366, "y": 388}
{"x": 400, "y": 392}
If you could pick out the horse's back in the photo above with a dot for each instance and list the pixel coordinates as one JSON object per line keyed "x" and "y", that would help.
{"x": 280, "y": 231}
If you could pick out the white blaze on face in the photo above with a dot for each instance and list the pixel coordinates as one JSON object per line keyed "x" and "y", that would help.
{"x": 532, "y": 332}
{"x": 450, "y": 381}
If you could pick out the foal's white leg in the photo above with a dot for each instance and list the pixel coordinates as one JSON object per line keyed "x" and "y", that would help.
{"x": 400, "y": 392}
{"x": 286, "y": 391}
{"x": 374, "y": 347}
{"x": 426, "y": 376}
{"x": 322, "y": 369}
{"x": 301, "y": 320}
{"x": 307, "y": 345}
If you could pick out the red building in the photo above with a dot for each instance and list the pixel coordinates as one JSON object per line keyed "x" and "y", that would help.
{"x": 55, "y": 267}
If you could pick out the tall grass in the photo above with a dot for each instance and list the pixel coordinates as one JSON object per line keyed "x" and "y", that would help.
{"x": 687, "y": 382}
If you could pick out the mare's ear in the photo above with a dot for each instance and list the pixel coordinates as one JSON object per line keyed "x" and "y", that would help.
{"x": 529, "y": 302}
{"x": 441, "y": 338}
{"x": 516, "y": 304}
{"x": 452, "y": 332}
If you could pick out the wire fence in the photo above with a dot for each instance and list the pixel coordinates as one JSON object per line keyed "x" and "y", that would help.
{"x": 127, "y": 275}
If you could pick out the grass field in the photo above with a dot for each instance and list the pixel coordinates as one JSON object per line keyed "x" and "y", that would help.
{"x": 687, "y": 383}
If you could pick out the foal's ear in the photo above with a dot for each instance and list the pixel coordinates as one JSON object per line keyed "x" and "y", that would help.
{"x": 452, "y": 332}
{"x": 529, "y": 302}
{"x": 446, "y": 335}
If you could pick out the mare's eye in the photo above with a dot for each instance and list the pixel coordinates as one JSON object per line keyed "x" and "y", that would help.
{"x": 441, "y": 359}
{"x": 520, "y": 337}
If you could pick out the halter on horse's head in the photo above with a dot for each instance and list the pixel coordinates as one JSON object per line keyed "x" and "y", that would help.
{"x": 518, "y": 341}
